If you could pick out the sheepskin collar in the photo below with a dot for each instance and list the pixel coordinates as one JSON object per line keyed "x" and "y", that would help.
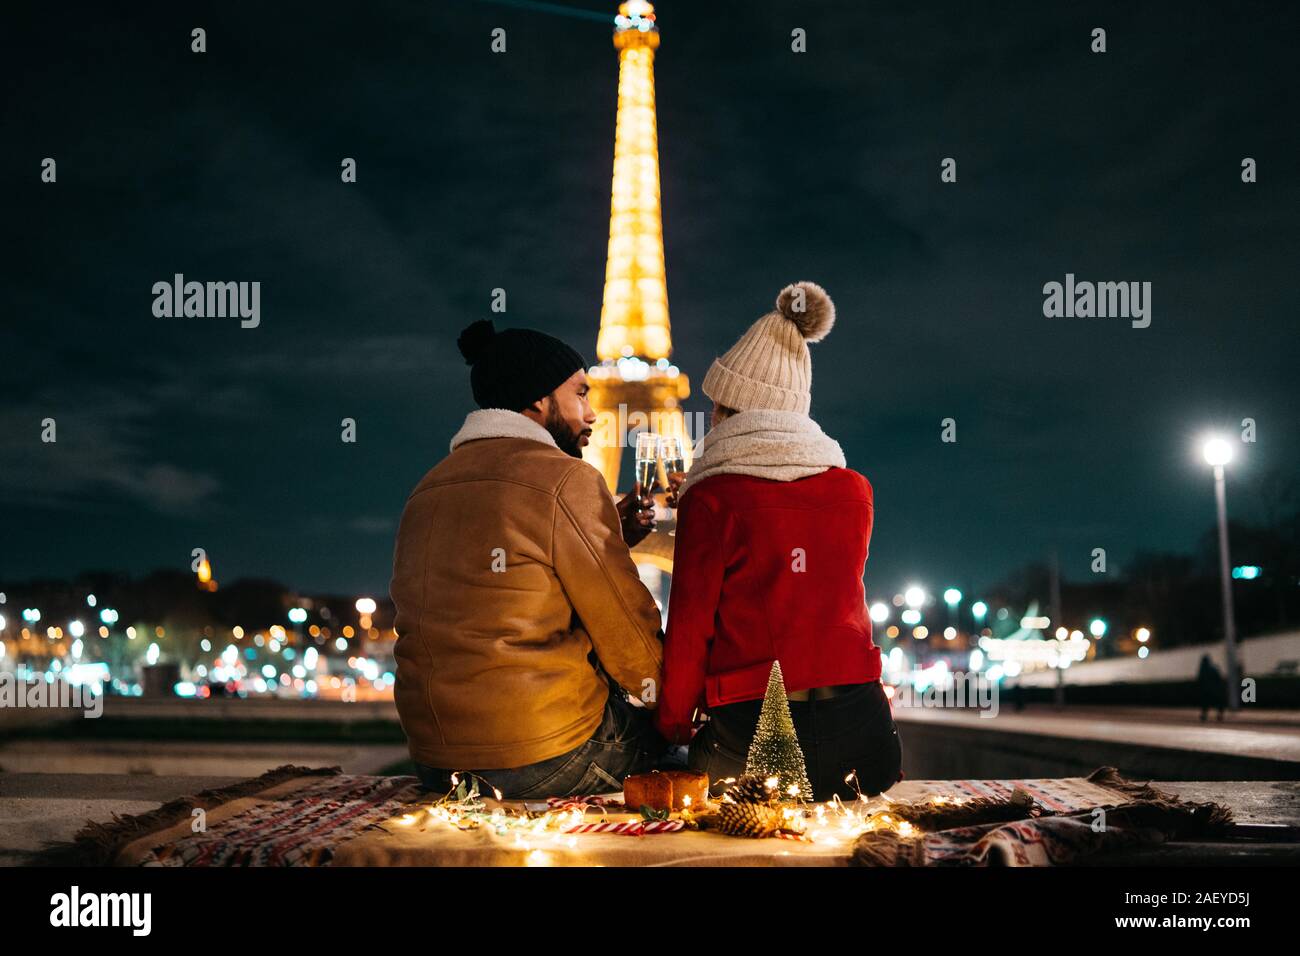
{"x": 500, "y": 423}
{"x": 782, "y": 446}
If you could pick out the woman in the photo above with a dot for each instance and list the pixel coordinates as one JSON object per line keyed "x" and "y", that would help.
{"x": 771, "y": 544}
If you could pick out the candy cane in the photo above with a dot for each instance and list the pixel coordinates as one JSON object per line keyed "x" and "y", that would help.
{"x": 663, "y": 826}
{"x": 628, "y": 827}
{"x": 578, "y": 803}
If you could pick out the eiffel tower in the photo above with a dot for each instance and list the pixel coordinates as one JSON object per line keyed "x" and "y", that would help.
{"x": 635, "y": 383}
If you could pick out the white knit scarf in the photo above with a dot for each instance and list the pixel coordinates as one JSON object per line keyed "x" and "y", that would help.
{"x": 782, "y": 446}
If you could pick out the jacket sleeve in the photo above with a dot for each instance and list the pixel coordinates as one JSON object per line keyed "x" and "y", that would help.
{"x": 698, "y": 563}
{"x": 596, "y": 570}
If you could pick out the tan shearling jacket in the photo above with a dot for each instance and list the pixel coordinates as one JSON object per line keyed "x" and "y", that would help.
{"x": 509, "y": 570}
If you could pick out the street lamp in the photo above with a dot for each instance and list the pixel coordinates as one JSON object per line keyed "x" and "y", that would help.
{"x": 1218, "y": 453}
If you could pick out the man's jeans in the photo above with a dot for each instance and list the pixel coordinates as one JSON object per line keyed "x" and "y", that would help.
{"x": 851, "y": 732}
{"x": 624, "y": 743}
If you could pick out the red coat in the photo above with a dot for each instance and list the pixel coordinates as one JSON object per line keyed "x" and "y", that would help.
{"x": 766, "y": 570}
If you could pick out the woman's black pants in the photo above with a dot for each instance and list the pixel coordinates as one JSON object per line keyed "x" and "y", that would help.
{"x": 852, "y": 732}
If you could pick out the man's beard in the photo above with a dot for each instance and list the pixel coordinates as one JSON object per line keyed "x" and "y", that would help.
{"x": 570, "y": 442}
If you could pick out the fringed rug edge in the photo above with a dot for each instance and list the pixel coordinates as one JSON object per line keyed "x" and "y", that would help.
{"x": 98, "y": 844}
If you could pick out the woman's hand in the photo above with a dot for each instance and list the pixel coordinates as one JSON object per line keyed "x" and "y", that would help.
{"x": 636, "y": 515}
{"x": 675, "y": 481}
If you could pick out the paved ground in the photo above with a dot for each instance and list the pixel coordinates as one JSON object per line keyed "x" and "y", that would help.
{"x": 40, "y": 807}
{"x": 171, "y": 758}
{"x": 1272, "y": 735}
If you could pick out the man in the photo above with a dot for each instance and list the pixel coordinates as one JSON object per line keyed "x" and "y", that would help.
{"x": 521, "y": 618}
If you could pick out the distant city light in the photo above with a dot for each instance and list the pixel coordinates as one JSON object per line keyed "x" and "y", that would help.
{"x": 91, "y": 600}
{"x": 1097, "y": 627}
{"x": 1035, "y": 623}
{"x": 914, "y": 596}
{"x": 911, "y": 616}
{"x": 949, "y": 633}
{"x": 952, "y": 596}
{"x": 151, "y": 655}
{"x": 1247, "y": 572}
{"x": 297, "y": 615}
{"x": 979, "y": 609}
{"x": 1143, "y": 652}
{"x": 366, "y": 605}
{"x": 880, "y": 612}
{"x": 76, "y": 628}
{"x": 1143, "y": 635}
{"x": 108, "y": 615}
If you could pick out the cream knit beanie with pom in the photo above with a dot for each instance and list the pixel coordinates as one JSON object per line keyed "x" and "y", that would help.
{"x": 770, "y": 367}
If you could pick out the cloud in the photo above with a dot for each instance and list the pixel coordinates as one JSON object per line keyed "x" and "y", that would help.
{"x": 101, "y": 454}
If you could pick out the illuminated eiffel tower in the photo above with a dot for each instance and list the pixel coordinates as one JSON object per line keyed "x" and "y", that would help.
{"x": 635, "y": 383}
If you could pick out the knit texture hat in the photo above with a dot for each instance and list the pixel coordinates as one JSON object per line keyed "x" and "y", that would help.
{"x": 513, "y": 368}
{"x": 769, "y": 367}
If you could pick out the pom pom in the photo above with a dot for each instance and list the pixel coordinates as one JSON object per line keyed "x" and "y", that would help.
{"x": 807, "y": 305}
{"x": 476, "y": 340}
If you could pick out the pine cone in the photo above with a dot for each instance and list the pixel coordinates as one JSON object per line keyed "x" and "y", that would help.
{"x": 749, "y": 819}
{"x": 750, "y": 789}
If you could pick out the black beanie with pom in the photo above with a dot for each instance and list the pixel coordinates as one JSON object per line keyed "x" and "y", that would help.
{"x": 515, "y": 367}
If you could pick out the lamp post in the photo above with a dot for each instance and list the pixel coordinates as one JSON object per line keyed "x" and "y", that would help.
{"x": 1217, "y": 454}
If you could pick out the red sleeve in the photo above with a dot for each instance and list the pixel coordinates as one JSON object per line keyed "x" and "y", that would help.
{"x": 698, "y": 562}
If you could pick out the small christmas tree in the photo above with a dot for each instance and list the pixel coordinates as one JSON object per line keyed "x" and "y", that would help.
{"x": 775, "y": 750}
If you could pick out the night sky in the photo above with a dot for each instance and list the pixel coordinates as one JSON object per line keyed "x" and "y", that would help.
{"x": 478, "y": 171}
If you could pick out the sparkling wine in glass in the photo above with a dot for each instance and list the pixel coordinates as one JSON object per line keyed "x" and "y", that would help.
{"x": 647, "y": 460}
{"x": 670, "y": 453}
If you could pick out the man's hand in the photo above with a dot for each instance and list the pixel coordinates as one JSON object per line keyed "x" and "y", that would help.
{"x": 636, "y": 515}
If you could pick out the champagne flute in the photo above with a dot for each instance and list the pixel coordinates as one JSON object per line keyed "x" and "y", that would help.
{"x": 670, "y": 453}
{"x": 647, "y": 460}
